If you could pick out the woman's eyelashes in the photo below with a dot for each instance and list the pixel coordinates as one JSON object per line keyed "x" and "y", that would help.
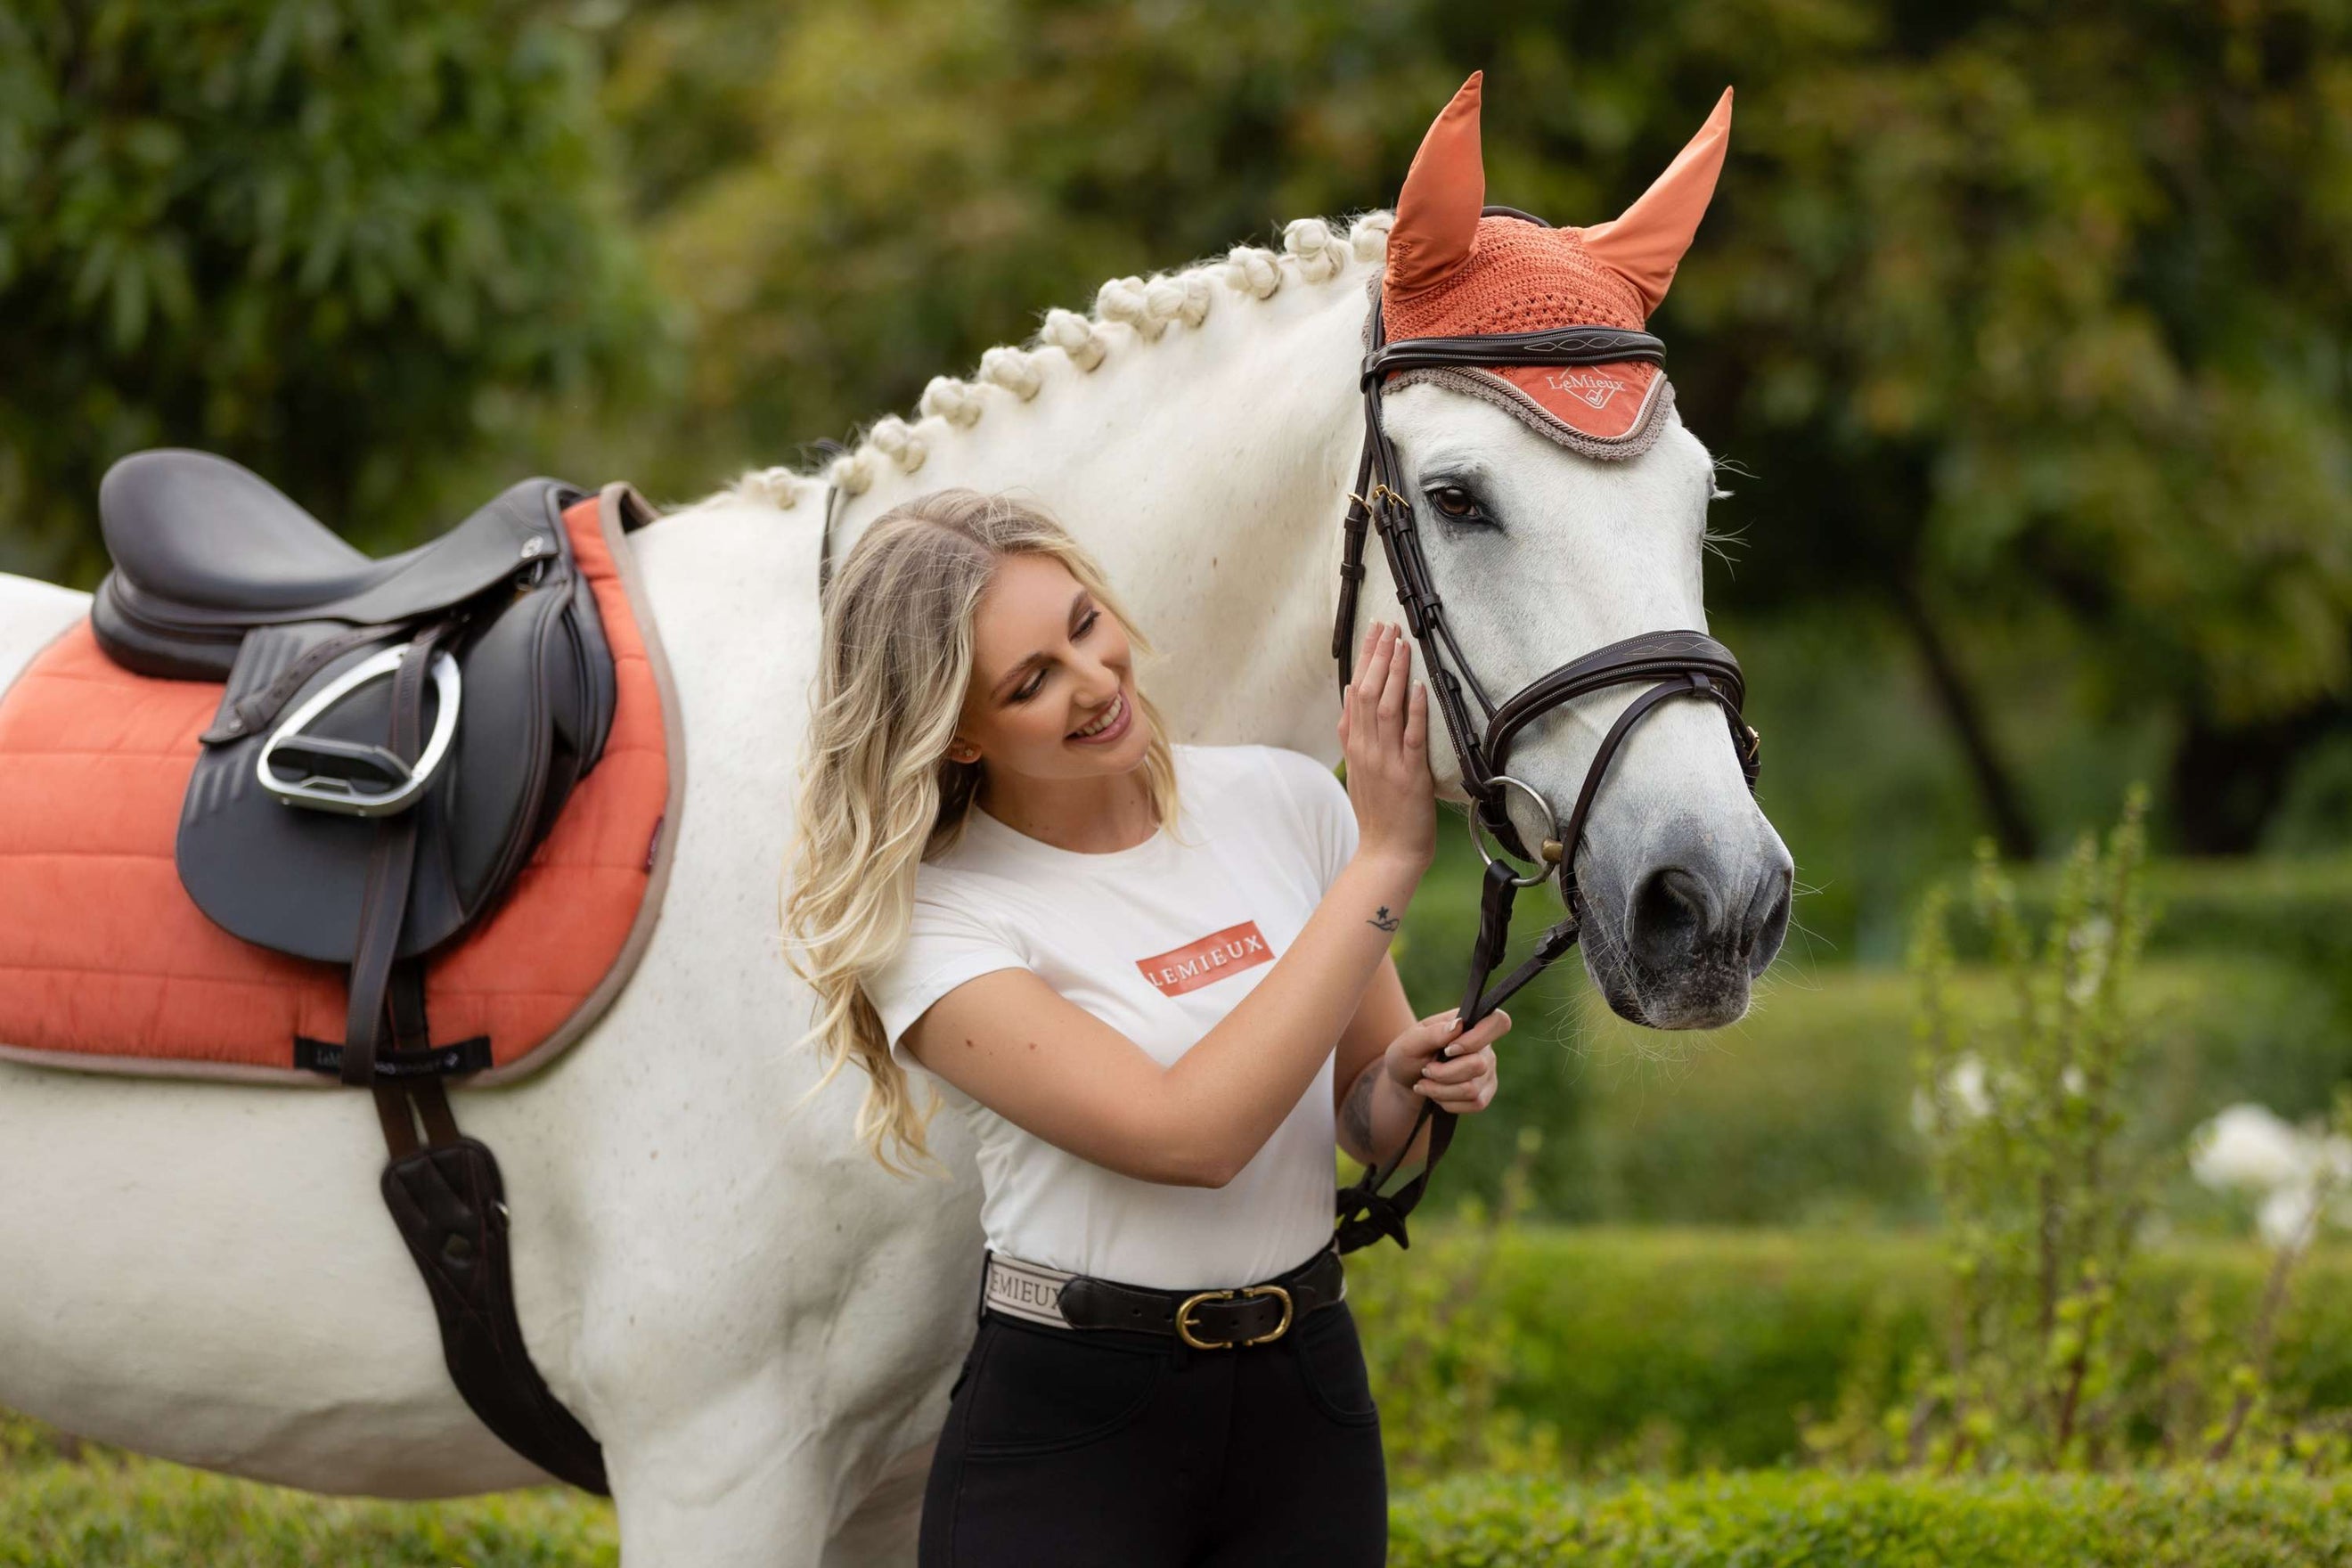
{"x": 1038, "y": 683}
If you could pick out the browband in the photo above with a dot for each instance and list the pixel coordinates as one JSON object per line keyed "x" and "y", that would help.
{"x": 1577, "y": 345}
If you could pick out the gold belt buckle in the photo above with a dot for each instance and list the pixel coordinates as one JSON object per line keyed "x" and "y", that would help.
{"x": 1183, "y": 1312}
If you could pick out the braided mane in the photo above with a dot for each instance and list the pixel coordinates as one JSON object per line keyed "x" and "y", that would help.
{"x": 1313, "y": 252}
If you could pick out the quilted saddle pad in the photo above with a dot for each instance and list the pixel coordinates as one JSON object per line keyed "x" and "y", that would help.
{"x": 106, "y": 965}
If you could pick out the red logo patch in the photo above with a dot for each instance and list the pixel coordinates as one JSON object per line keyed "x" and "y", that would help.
{"x": 1214, "y": 956}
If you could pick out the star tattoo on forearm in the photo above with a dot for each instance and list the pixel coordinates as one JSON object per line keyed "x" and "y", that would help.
{"x": 1386, "y": 920}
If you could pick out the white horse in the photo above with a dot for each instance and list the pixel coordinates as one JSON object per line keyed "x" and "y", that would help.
{"x": 758, "y": 1323}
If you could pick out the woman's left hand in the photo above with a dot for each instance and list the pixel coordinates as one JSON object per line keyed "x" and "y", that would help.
{"x": 1461, "y": 1082}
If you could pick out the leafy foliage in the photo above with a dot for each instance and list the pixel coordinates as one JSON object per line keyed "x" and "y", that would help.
{"x": 108, "y": 1511}
{"x": 1782, "y": 1521}
{"x": 1660, "y": 1351}
{"x": 2040, "y": 1208}
{"x": 1438, "y": 1362}
{"x": 1803, "y": 1112}
{"x": 1670, "y": 1351}
{"x": 340, "y": 240}
{"x": 2048, "y": 1186}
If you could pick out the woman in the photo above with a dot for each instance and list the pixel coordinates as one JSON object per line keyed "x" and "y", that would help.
{"x": 1143, "y": 1012}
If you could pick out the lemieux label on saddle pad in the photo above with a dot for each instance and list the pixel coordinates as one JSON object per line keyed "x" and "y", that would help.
{"x": 1207, "y": 960}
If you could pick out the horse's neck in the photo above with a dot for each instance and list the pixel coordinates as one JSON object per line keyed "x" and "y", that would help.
{"x": 1206, "y": 472}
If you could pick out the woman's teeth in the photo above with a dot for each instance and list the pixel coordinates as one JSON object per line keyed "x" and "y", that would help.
{"x": 1110, "y": 716}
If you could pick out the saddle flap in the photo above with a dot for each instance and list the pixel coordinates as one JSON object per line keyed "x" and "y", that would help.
{"x": 289, "y": 879}
{"x": 296, "y": 879}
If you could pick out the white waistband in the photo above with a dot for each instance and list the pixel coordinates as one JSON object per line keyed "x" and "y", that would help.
{"x": 1033, "y": 1290}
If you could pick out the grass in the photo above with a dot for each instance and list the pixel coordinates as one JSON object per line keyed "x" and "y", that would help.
{"x": 100, "y": 1509}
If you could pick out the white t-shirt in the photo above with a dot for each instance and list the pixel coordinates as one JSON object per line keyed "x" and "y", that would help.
{"x": 1159, "y": 942}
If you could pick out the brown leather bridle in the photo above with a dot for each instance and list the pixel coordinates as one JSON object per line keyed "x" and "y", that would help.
{"x": 1674, "y": 663}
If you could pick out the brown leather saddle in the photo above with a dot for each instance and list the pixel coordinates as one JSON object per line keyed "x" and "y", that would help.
{"x": 395, "y": 738}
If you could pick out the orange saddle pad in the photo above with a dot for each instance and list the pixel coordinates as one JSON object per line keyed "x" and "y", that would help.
{"x": 107, "y": 964}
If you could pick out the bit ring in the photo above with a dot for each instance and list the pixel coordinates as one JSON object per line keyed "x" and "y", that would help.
{"x": 1553, "y": 851}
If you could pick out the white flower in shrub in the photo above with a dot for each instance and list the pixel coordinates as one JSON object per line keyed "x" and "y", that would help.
{"x": 1963, "y": 1089}
{"x": 2249, "y": 1149}
{"x": 2284, "y": 1213}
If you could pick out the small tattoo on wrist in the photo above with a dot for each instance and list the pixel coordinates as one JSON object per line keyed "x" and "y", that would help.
{"x": 1386, "y": 920}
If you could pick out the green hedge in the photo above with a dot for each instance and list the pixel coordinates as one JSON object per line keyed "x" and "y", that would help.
{"x": 109, "y": 1512}
{"x": 1801, "y": 1113}
{"x": 1764, "y": 1519}
{"x": 1681, "y": 1349}
{"x": 2289, "y": 909}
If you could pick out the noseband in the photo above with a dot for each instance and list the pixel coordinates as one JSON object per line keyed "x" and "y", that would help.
{"x": 1670, "y": 663}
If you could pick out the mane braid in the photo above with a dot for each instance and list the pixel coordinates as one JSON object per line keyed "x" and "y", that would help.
{"x": 1313, "y": 251}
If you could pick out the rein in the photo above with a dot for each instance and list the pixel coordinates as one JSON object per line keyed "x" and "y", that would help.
{"x": 1674, "y": 664}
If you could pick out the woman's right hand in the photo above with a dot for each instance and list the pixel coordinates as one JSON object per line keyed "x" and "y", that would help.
{"x": 1384, "y": 735}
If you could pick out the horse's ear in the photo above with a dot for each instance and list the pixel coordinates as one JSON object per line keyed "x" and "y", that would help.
{"x": 1437, "y": 214}
{"x": 1644, "y": 244}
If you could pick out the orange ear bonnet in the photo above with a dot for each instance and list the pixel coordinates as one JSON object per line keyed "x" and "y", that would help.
{"x": 1452, "y": 272}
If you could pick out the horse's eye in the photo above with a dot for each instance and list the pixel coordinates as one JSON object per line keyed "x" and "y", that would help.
{"x": 1453, "y": 500}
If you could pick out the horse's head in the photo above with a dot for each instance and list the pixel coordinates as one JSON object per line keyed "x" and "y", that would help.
{"x": 1562, "y": 508}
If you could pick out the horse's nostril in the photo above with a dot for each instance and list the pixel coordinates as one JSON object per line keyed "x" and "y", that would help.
{"x": 1674, "y": 912}
{"x": 1767, "y": 924}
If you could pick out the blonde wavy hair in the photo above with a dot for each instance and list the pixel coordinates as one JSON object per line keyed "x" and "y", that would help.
{"x": 878, "y": 792}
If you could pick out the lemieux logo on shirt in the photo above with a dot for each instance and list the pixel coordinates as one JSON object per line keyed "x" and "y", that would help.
{"x": 1210, "y": 959}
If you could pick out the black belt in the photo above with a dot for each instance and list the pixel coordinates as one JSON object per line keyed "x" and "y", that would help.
{"x": 1216, "y": 1318}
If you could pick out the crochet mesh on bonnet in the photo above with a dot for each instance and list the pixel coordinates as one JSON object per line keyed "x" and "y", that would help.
{"x": 1458, "y": 275}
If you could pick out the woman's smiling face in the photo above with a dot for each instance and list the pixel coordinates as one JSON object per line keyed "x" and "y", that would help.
{"x": 1048, "y": 661}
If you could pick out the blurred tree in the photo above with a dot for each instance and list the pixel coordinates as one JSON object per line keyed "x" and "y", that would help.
{"x": 2007, "y": 307}
{"x": 2052, "y": 304}
{"x": 345, "y": 242}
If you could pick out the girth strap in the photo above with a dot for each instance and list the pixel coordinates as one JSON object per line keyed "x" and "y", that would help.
{"x": 449, "y": 1203}
{"x": 446, "y": 1194}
